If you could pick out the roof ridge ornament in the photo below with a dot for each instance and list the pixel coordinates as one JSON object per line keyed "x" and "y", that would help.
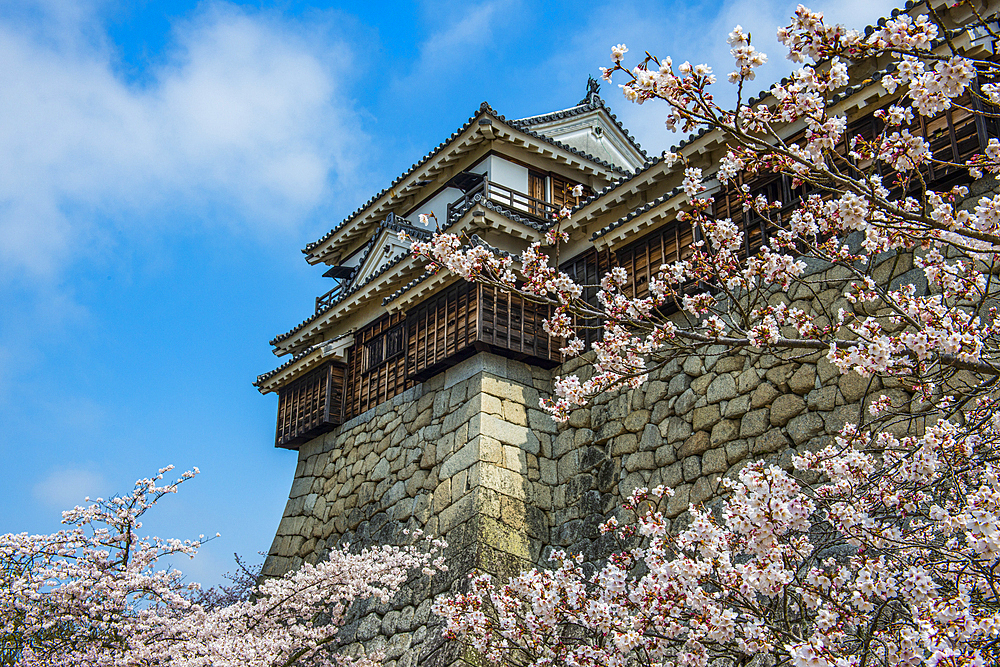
{"x": 593, "y": 92}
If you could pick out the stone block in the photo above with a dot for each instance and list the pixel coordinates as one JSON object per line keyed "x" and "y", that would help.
{"x": 724, "y": 431}
{"x": 608, "y": 475}
{"x": 631, "y": 482}
{"x": 380, "y": 471}
{"x": 754, "y": 423}
{"x": 607, "y": 431}
{"x": 579, "y": 418}
{"x": 723, "y": 388}
{"x": 636, "y": 420}
{"x": 714, "y": 460}
{"x": 700, "y": 384}
{"x": 505, "y": 432}
{"x": 706, "y": 417}
{"x": 300, "y": 487}
{"x": 679, "y": 502}
{"x": 547, "y": 468}
{"x": 661, "y": 411}
{"x": 823, "y": 399}
{"x": 854, "y": 387}
{"x": 665, "y": 455}
{"x": 685, "y": 403}
{"x": 803, "y": 380}
{"x": 737, "y": 407}
{"x": 692, "y": 366}
{"x": 734, "y": 362}
{"x": 704, "y": 489}
{"x": 804, "y": 427}
{"x": 490, "y": 449}
{"x": 747, "y": 381}
{"x": 678, "y": 385}
{"x": 673, "y": 475}
{"x": 511, "y": 483}
{"x": 675, "y": 429}
{"x": 692, "y": 468}
{"x": 442, "y": 495}
{"x": 785, "y": 407}
{"x": 655, "y": 392}
{"x": 779, "y": 375}
{"x": 834, "y": 421}
{"x": 763, "y": 396}
{"x": 624, "y": 444}
{"x": 514, "y": 413}
{"x": 826, "y": 370}
{"x": 394, "y": 494}
{"x": 541, "y": 422}
{"x": 640, "y": 461}
{"x": 650, "y": 438}
{"x": 770, "y": 441}
{"x": 695, "y": 445}
{"x": 736, "y": 451}
{"x": 568, "y": 466}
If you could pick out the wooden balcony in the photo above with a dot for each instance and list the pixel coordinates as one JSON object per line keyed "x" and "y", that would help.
{"x": 512, "y": 200}
{"x": 310, "y": 406}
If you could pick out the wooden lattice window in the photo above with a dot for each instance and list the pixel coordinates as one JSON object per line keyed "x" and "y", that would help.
{"x": 441, "y": 329}
{"x": 562, "y": 192}
{"x": 376, "y": 364}
{"x": 514, "y": 324}
{"x": 587, "y": 269}
{"x": 644, "y": 257}
{"x": 310, "y": 406}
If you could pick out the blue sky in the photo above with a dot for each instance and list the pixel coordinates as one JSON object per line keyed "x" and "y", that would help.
{"x": 161, "y": 165}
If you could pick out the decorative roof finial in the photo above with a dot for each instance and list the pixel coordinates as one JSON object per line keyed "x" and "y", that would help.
{"x": 593, "y": 91}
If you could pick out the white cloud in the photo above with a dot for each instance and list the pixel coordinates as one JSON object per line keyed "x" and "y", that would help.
{"x": 66, "y": 488}
{"x": 246, "y": 121}
{"x": 453, "y": 50}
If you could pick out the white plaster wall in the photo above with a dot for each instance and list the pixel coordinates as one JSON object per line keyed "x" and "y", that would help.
{"x": 438, "y": 205}
{"x": 506, "y": 173}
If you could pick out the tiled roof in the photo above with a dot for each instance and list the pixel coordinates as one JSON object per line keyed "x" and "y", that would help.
{"x": 483, "y": 108}
{"x": 636, "y": 213}
{"x": 593, "y": 102}
{"x": 264, "y": 377}
{"x": 391, "y": 222}
{"x": 456, "y": 216}
{"x": 394, "y": 223}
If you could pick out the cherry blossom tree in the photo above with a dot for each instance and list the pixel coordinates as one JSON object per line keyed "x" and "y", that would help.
{"x": 881, "y": 548}
{"x": 95, "y": 594}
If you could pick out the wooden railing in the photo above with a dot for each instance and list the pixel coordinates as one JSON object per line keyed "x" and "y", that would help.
{"x": 326, "y": 300}
{"x": 517, "y": 202}
{"x": 310, "y": 406}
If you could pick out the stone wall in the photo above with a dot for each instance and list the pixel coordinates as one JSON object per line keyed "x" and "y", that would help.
{"x": 468, "y": 456}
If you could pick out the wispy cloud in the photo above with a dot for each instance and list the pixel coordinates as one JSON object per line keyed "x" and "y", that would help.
{"x": 67, "y": 487}
{"x": 452, "y": 51}
{"x": 247, "y": 121}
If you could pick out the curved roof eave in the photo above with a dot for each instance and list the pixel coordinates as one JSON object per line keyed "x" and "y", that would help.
{"x": 317, "y": 249}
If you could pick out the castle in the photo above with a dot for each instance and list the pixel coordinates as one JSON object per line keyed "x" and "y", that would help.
{"x": 412, "y": 396}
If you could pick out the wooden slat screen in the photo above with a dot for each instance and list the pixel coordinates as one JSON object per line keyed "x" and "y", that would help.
{"x": 311, "y": 405}
{"x": 588, "y": 268}
{"x": 508, "y": 322}
{"x": 376, "y": 364}
{"x": 441, "y": 327}
{"x": 644, "y": 257}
